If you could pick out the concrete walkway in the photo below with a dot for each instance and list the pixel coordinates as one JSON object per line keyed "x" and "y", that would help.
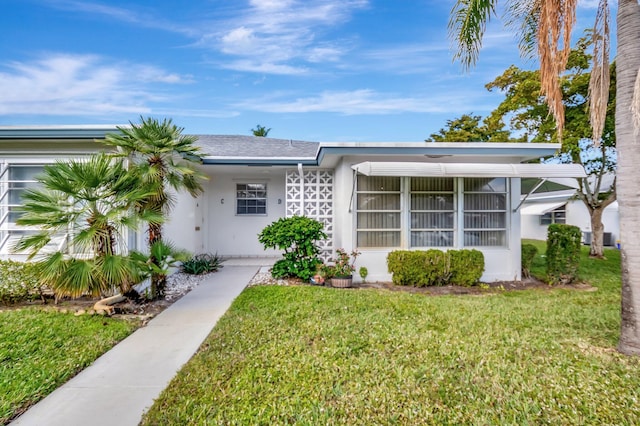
{"x": 120, "y": 385}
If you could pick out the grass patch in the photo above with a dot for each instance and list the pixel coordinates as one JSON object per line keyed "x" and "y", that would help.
{"x": 311, "y": 355}
{"x": 40, "y": 350}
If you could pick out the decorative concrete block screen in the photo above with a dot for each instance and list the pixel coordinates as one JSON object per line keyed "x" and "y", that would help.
{"x": 314, "y": 199}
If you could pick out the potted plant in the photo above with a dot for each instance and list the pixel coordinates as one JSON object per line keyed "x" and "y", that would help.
{"x": 342, "y": 270}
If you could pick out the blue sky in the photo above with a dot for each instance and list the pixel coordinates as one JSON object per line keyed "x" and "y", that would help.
{"x": 320, "y": 70}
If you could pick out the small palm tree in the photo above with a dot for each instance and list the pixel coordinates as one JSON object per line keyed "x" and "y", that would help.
{"x": 163, "y": 158}
{"x": 91, "y": 204}
{"x": 260, "y": 131}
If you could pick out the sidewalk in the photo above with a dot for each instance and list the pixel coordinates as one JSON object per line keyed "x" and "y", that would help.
{"x": 120, "y": 385}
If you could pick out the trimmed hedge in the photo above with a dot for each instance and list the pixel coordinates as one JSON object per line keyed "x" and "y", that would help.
{"x": 527, "y": 253}
{"x": 420, "y": 268}
{"x": 563, "y": 253}
{"x": 19, "y": 282}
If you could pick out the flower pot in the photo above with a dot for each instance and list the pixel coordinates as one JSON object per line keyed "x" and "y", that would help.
{"x": 342, "y": 282}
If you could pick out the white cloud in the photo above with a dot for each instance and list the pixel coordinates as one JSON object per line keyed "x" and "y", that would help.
{"x": 271, "y": 34}
{"x": 61, "y": 84}
{"x": 362, "y": 102}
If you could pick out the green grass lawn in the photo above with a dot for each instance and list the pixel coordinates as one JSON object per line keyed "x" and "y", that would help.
{"x": 313, "y": 355}
{"x": 40, "y": 350}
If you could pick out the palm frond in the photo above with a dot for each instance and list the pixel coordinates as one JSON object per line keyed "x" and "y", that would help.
{"x": 557, "y": 18}
{"x": 523, "y": 17}
{"x": 467, "y": 26}
{"x": 599, "y": 81}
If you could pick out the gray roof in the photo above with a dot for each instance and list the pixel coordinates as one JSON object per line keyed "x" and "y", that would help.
{"x": 248, "y": 147}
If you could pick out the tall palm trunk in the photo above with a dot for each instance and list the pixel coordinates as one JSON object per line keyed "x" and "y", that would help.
{"x": 628, "y": 147}
{"x": 158, "y": 281}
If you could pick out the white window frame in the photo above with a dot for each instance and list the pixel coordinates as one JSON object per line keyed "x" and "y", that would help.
{"x": 550, "y": 217}
{"x": 238, "y": 199}
{"x": 459, "y": 211}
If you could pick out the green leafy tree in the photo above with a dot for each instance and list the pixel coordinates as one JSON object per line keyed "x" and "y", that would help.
{"x": 526, "y": 111}
{"x": 163, "y": 158}
{"x": 90, "y": 203}
{"x": 260, "y": 131}
{"x": 547, "y": 25}
{"x": 468, "y": 128}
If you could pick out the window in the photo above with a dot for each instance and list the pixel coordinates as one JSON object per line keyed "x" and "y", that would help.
{"x": 485, "y": 212}
{"x": 378, "y": 211}
{"x": 20, "y": 178}
{"x": 558, "y": 215}
{"x": 420, "y": 212}
{"x": 432, "y": 212}
{"x": 14, "y": 180}
{"x": 251, "y": 198}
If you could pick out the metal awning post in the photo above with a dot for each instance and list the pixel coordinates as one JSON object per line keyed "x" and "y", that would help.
{"x": 535, "y": 188}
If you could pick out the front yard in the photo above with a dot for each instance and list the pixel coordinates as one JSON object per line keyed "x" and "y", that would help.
{"x": 41, "y": 350}
{"x": 313, "y": 355}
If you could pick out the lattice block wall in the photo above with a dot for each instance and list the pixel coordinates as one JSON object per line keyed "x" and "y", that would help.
{"x": 315, "y": 202}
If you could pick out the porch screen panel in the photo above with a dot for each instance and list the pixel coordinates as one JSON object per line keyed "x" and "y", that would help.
{"x": 485, "y": 212}
{"x": 20, "y": 178}
{"x": 378, "y": 211}
{"x": 432, "y": 212}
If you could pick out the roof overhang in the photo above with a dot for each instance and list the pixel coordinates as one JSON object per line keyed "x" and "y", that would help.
{"x": 370, "y": 168}
{"x": 539, "y": 209}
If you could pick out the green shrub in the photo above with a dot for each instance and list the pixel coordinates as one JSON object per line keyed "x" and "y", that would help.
{"x": 297, "y": 236}
{"x": 527, "y": 253}
{"x": 563, "y": 253}
{"x": 202, "y": 264}
{"x": 466, "y": 266}
{"x": 19, "y": 282}
{"x": 435, "y": 267}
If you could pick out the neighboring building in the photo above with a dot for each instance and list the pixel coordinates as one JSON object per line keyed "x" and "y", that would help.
{"x": 374, "y": 197}
{"x": 561, "y": 205}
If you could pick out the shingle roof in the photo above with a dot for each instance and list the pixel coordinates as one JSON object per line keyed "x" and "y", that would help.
{"x": 249, "y": 147}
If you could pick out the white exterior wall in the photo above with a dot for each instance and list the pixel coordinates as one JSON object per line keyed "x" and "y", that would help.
{"x": 228, "y": 234}
{"x": 577, "y": 215}
{"x": 181, "y": 228}
{"x": 501, "y": 263}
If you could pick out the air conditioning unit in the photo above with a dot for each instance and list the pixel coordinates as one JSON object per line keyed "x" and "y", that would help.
{"x": 607, "y": 239}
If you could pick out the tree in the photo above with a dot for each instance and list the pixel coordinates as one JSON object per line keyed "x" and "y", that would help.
{"x": 91, "y": 203}
{"x": 527, "y": 111}
{"x": 549, "y": 23}
{"x": 260, "y": 131}
{"x": 163, "y": 158}
{"x": 467, "y": 128}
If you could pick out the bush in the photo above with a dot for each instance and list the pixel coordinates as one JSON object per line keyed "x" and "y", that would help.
{"x": 435, "y": 267}
{"x": 527, "y": 253}
{"x": 202, "y": 264}
{"x": 19, "y": 282}
{"x": 466, "y": 267}
{"x": 297, "y": 236}
{"x": 563, "y": 253}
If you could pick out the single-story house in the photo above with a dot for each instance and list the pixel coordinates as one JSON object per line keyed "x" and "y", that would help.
{"x": 371, "y": 196}
{"x": 560, "y": 204}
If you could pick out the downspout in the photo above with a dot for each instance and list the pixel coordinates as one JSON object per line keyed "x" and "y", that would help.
{"x": 301, "y": 189}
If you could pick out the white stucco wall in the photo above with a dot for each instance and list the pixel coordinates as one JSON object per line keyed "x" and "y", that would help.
{"x": 181, "y": 226}
{"x": 234, "y": 235}
{"x": 577, "y": 215}
{"x": 501, "y": 263}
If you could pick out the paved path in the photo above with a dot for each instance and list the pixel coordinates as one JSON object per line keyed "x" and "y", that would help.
{"x": 120, "y": 385}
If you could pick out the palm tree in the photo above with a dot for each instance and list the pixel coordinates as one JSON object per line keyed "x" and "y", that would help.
{"x": 549, "y": 23}
{"x": 163, "y": 158}
{"x": 91, "y": 204}
{"x": 260, "y": 131}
